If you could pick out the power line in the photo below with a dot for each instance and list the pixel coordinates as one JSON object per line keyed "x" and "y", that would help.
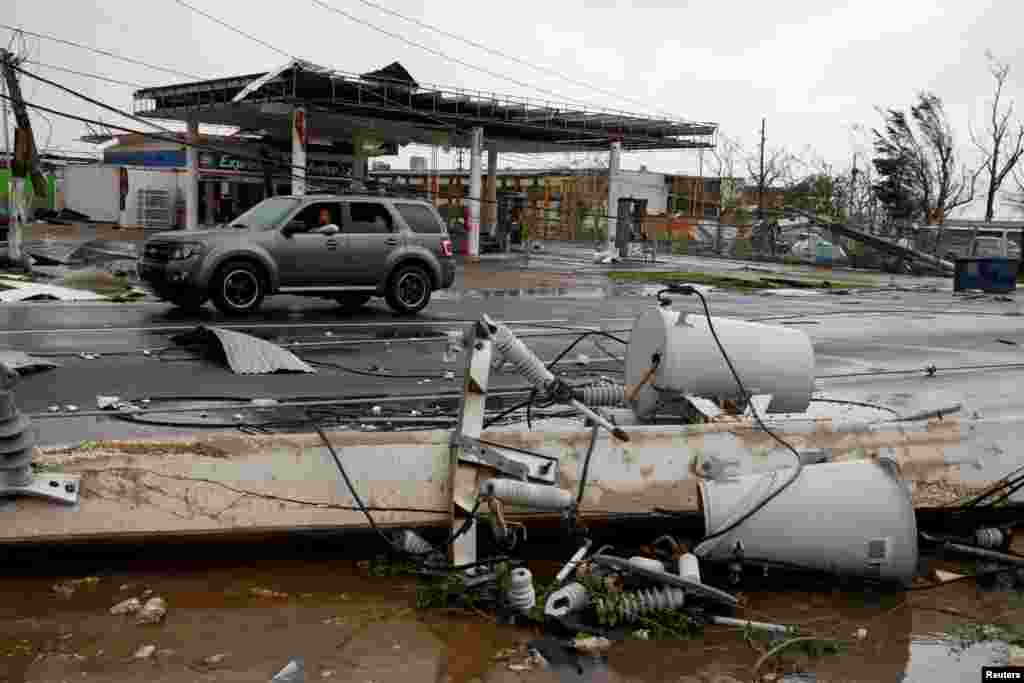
{"x": 129, "y": 60}
{"x": 442, "y": 55}
{"x": 293, "y": 57}
{"x": 505, "y": 55}
{"x": 88, "y": 75}
{"x": 234, "y": 28}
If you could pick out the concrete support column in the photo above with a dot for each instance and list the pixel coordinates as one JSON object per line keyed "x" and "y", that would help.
{"x": 192, "y": 178}
{"x": 211, "y": 198}
{"x": 489, "y": 211}
{"x": 614, "y": 161}
{"x": 475, "y": 182}
{"x": 299, "y": 137}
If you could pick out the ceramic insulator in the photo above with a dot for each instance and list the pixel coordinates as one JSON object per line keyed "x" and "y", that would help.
{"x": 521, "y": 595}
{"x": 570, "y": 598}
{"x": 989, "y": 538}
{"x": 526, "y": 494}
{"x": 413, "y": 543}
{"x": 631, "y": 605}
{"x": 528, "y": 365}
{"x": 602, "y": 395}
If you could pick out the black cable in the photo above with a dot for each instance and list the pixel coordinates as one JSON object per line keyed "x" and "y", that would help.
{"x": 1000, "y": 485}
{"x": 442, "y": 55}
{"x": 586, "y": 466}
{"x": 88, "y": 75}
{"x": 368, "y": 373}
{"x": 861, "y": 404}
{"x": 485, "y": 48}
{"x": 369, "y": 518}
{"x": 233, "y": 28}
{"x": 139, "y": 119}
{"x": 507, "y": 412}
{"x": 687, "y": 289}
{"x": 104, "y": 52}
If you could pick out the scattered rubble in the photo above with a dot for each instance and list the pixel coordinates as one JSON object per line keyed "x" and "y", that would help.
{"x": 67, "y": 588}
{"x": 592, "y": 644}
{"x": 130, "y": 606}
{"x": 153, "y": 612}
{"x": 145, "y": 652}
{"x": 267, "y": 593}
{"x": 214, "y": 660}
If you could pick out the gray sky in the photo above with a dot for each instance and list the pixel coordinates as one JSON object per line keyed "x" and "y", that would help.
{"x": 814, "y": 69}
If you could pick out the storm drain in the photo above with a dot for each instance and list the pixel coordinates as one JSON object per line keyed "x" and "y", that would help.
{"x": 243, "y": 353}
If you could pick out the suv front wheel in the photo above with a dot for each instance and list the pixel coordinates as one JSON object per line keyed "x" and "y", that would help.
{"x": 238, "y": 288}
{"x": 409, "y": 290}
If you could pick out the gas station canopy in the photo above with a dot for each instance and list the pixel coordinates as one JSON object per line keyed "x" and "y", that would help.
{"x": 387, "y": 107}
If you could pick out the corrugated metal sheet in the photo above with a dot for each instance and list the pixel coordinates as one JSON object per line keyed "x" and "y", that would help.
{"x": 21, "y": 362}
{"x": 245, "y": 354}
{"x": 27, "y": 291}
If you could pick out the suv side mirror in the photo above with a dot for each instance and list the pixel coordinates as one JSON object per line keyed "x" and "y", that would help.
{"x": 293, "y": 227}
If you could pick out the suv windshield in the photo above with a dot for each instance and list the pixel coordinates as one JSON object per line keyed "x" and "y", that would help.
{"x": 267, "y": 214}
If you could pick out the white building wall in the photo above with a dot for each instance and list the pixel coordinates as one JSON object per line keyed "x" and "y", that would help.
{"x": 643, "y": 185}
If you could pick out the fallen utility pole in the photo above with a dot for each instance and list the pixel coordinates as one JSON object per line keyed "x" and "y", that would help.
{"x": 879, "y": 243}
{"x": 25, "y": 163}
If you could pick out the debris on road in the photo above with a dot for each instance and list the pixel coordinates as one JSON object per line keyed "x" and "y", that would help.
{"x": 19, "y": 291}
{"x": 145, "y": 652}
{"x": 592, "y": 644}
{"x": 293, "y": 672}
{"x": 267, "y": 593}
{"x": 243, "y": 353}
{"x": 23, "y": 363}
{"x": 130, "y": 606}
{"x": 153, "y": 612}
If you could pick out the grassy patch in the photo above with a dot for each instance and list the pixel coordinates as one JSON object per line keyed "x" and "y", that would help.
{"x": 97, "y": 281}
{"x": 969, "y": 634}
{"x": 741, "y": 282}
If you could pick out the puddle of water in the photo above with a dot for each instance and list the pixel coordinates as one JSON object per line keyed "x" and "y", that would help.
{"x": 339, "y": 619}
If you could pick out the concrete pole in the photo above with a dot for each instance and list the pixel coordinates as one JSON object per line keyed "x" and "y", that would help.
{"x": 18, "y": 219}
{"x": 475, "y": 181}
{"x": 211, "y": 216}
{"x": 192, "y": 177}
{"x": 490, "y": 209}
{"x": 614, "y": 161}
{"x": 299, "y": 137}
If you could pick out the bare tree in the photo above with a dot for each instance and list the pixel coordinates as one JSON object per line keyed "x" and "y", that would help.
{"x": 1001, "y": 149}
{"x": 778, "y": 171}
{"x": 726, "y": 157}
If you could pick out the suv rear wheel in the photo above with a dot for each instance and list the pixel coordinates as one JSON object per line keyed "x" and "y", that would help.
{"x": 238, "y": 288}
{"x": 409, "y": 290}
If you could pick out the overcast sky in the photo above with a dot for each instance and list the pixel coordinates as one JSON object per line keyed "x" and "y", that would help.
{"x": 813, "y": 69}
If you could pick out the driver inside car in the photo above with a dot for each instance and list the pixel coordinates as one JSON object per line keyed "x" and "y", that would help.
{"x": 324, "y": 223}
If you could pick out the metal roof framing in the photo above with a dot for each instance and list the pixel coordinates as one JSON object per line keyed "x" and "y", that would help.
{"x": 426, "y": 107}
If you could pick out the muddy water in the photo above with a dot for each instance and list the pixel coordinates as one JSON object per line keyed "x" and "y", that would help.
{"x": 245, "y": 620}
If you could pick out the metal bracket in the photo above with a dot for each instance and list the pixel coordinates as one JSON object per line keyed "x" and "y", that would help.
{"x": 59, "y": 488}
{"x": 516, "y": 465}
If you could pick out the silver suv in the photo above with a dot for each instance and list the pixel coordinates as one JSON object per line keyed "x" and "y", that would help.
{"x": 348, "y": 248}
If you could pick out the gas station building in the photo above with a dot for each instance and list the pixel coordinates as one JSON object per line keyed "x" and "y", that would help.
{"x": 318, "y": 128}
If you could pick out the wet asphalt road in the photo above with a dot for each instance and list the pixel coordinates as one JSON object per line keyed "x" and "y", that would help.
{"x": 851, "y": 333}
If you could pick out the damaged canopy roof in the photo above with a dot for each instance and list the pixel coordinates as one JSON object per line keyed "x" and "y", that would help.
{"x": 244, "y": 354}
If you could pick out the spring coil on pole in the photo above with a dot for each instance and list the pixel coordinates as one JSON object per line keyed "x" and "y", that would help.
{"x": 515, "y": 352}
{"x": 629, "y": 606}
{"x": 601, "y": 395}
{"x": 989, "y": 538}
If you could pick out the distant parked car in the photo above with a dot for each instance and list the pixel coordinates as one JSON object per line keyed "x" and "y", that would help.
{"x": 373, "y": 246}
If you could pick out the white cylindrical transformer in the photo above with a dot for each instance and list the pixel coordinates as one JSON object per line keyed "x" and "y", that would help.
{"x": 769, "y": 359}
{"x": 847, "y": 518}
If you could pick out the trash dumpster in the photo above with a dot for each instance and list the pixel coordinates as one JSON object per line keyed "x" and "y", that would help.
{"x": 993, "y": 275}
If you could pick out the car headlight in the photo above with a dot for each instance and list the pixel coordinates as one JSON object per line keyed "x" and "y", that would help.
{"x": 184, "y": 251}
